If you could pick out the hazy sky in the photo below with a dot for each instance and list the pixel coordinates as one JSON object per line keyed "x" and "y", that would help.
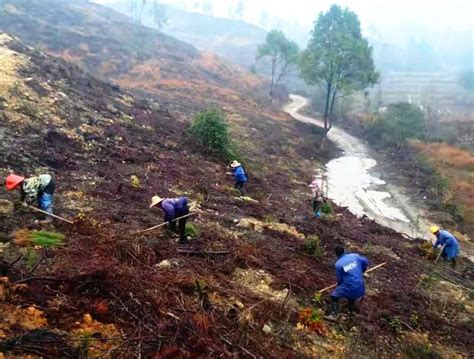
{"x": 446, "y": 25}
{"x": 439, "y": 15}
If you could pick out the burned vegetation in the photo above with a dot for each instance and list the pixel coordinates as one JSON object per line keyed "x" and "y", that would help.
{"x": 245, "y": 288}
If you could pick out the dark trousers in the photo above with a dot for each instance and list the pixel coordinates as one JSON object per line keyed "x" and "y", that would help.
{"x": 181, "y": 224}
{"x": 240, "y": 186}
{"x": 453, "y": 261}
{"x": 335, "y": 305}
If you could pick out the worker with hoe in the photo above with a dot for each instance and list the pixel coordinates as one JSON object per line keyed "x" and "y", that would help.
{"x": 39, "y": 189}
{"x": 239, "y": 176}
{"x": 350, "y": 268}
{"x": 173, "y": 209}
{"x": 450, "y": 249}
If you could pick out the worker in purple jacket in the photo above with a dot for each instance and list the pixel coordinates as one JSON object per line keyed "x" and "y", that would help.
{"x": 350, "y": 268}
{"x": 174, "y": 208}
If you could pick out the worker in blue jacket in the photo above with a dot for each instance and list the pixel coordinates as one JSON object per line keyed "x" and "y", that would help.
{"x": 239, "y": 176}
{"x": 174, "y": 208}
{"x": 350, "y": 268}
{"x": 450, "y": 243}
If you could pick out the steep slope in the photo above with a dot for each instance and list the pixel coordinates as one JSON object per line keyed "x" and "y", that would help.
{"x": 107, "y": 291}
{"x": 235, "y": 40}
{"x": 113, "y": 47}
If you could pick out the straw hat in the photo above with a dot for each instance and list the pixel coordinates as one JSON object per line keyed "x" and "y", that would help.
{"x": 235, "y": 164}
{"x": 155, "y": 200}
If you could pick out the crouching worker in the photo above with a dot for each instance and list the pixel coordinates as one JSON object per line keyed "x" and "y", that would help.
{"x": 350, "y": 268}
{"x": 317, "y": 202}
{"x": 450, "y": 243}
{"x": 239, "y": 176}
{"x": 174, "y": 208}
{"x": 39, "y": 189}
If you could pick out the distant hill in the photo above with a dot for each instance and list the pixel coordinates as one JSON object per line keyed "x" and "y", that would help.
{"x": 234, "y": 40}
{"x": 114, "y": 47}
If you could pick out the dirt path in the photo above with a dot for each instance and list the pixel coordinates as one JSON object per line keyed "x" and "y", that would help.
{"x": 354, "y": 183}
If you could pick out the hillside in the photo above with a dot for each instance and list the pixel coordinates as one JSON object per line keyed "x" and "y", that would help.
{"x": 107, "y": 292}
{"x": 235, "y": 40}
{"x": 113, "y": 47}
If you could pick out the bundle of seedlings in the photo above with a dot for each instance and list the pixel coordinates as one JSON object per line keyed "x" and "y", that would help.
{"x": 25, "y": 238}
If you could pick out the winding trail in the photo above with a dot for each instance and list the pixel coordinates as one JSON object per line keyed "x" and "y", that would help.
{"x": 353, "y": 182}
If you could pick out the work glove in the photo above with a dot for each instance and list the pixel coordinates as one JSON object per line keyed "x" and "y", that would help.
{"x": 24, "y": 204}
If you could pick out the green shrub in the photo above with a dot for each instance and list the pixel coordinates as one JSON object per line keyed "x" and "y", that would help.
{"x": 191, "y": 230}
{"x": 327, "y": 209}
{"x": 211, "y": 130}
{"x": 393, "y": 128}
{"x": 312, "y": 246}
{"x": 395, "y": 324}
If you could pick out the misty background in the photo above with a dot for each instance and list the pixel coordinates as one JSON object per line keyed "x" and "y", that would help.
{"x": 423, "y": 50}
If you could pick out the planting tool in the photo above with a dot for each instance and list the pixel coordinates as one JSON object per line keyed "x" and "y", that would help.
{"x": 366, "y": 272}
{"x": 162, "y": 224}
{"x": 440, "y": 252}
{"x": 51, "y": 215}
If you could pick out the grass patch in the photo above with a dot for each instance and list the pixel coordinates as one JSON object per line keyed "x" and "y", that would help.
{"x": 422, "y": 351}
{"x": 451, "y": 172}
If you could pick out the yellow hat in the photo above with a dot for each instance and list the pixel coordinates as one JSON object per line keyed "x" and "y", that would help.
{"x": 434, "y": 229}
{"x": 235, "y": 164}
{"x": 156, "y": 200}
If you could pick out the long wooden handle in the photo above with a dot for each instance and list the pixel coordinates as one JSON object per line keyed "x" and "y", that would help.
{"x": 440, "y": 252}
{"x": 366, "y": 272}
{"x": 162, "y": 224}
{"x": 51, "y": 215}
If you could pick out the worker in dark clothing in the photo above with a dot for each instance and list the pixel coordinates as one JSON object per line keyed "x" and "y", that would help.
{"x": 449, "y": 242}
{"x": 39, "y": 189}
{"x": 350, "y": 268}
{"x": 317, "y": 202}
{"x": 174, "y": 208}
{"x": 239, "y": 176}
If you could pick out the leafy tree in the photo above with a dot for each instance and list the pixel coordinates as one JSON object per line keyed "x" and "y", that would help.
{"x": 239, "y": 10}
{"x": 136, "y": 9}
{"x": 207, "y": 7}
{"x": 159, "y": 15}
{"x": 158, "y": 10}
{"x": 211, "y": 130}
{"x": 338, "y": 58}
{"x": 283, "y": 55}
{"x": 399, "y": 123}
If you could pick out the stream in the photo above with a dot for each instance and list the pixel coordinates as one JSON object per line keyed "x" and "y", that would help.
{"x": 352, "y": 181}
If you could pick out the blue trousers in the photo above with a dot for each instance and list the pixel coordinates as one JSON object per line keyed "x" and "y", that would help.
{"x": 45, "y": 202}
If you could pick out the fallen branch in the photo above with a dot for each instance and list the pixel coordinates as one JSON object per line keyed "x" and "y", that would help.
{"x": 52, "y": 279}
{"x": 237, "y": 346}
{"x": 51, "y": 215}
{"x": 204, "y": 253}
{"x": 162, "y": 224}
{"x": 366, "y": 272}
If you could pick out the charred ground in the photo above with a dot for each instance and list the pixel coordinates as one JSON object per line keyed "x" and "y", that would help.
{"x": 105, "y": 43}
{"x": 105, "y": 293}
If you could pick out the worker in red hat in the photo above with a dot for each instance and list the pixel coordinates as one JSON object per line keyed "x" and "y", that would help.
{"x": 39, "y": 189}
